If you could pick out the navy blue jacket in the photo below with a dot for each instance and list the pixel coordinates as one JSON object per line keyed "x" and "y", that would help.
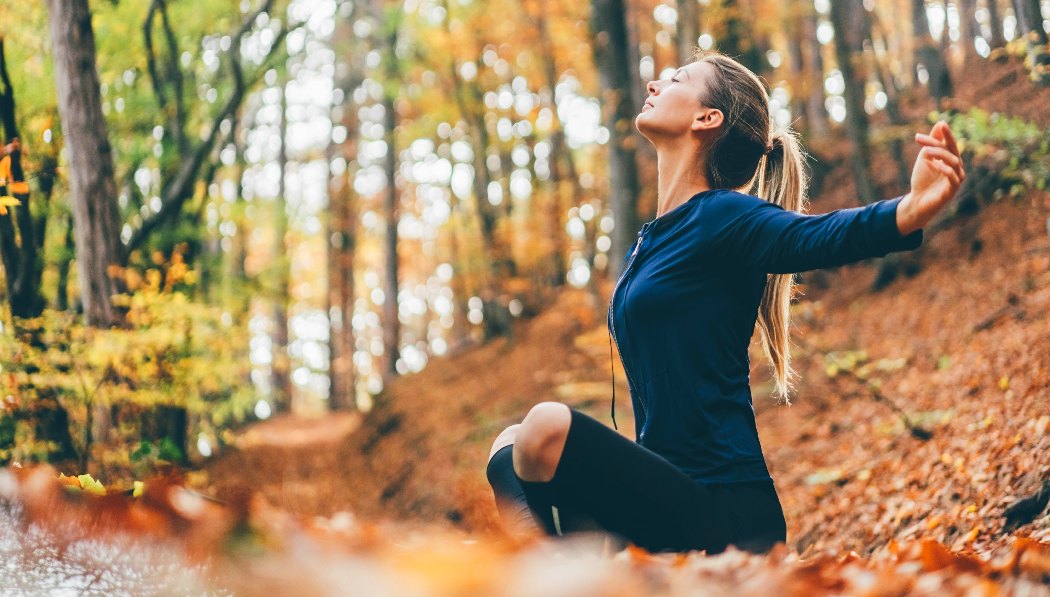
{"x": 684, "y": 309}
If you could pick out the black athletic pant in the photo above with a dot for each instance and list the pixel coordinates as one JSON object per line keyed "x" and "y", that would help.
{"x": 606, "y": 481}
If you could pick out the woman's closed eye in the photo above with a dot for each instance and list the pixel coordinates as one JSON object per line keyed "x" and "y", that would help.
{"x": 674, "y": 80}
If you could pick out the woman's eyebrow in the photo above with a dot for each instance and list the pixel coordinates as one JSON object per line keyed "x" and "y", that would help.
{"x": 682, "y": 70}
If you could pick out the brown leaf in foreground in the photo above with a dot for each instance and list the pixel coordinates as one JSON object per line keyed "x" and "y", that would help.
{"x": 257, "y": 549}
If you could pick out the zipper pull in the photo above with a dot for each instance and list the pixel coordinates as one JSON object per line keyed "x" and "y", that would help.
{"x": 637, "y": 245}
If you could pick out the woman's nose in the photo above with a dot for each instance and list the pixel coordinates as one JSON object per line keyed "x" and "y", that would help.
{"x": 651, "y": 87}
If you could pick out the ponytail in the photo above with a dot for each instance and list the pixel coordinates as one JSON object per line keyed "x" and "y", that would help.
{"x": 781, "y": 179}
{"x": 754, "y": 155}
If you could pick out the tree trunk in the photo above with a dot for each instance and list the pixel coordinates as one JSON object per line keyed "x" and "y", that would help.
{"x": 688, "y": 29}
{"x": 281, "y": 368}
{"x": 391, "y": 323}
{"x": 342, "y": 229}
{"x": 21, "y": 236}
{"x": 609, "y": 30}
{"x": 1030, "y": 21}
{"x": 995, "y": 24}
{"x": 968, "y": 30}
{"x": 91, "y": 182}
{"x": 740, "y": 40}
{"x": 929, "y": 55}
{"x": 852, "y": 26}
{"x": 563, "y": 179}
{"x": 816, "y": 110}
{"x": 893, "y": 112}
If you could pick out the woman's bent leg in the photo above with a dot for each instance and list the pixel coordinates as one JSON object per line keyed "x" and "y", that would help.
{"x": 632, "y": 492}
{"x": 521, "y": 516}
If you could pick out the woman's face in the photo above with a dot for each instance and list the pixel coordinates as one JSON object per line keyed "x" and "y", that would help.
{"x": 673, "y": 108}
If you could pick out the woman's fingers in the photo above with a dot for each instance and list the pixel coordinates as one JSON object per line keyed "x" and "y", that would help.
{"x": 941, "y": 153}
{"x": 949, "y": 137}
{"x": 953, "y": 176}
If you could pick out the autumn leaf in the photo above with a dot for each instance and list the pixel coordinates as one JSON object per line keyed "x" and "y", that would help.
{"x": 8, "y": 201}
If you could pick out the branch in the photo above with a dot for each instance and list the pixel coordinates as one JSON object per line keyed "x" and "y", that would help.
{"x": 151, "y": 64}
{"x": 175, "y": 73}
{"x": 175, "y": 193}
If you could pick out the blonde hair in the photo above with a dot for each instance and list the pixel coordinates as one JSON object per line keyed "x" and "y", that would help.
{"x": 753, "y": 154}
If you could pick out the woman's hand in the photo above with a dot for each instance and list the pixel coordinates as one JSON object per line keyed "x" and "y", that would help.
{"x": 936, "y": 177}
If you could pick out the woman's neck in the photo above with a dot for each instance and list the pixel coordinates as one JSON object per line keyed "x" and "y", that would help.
{"x": 680, "y": 177}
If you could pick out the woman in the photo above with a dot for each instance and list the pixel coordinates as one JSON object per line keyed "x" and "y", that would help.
{"x": 712, "y": 264}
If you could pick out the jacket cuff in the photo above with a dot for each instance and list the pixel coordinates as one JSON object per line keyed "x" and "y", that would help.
{"x": 886, "y": 230}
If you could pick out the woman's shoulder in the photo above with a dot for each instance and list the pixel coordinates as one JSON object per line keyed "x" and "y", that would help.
{"x": 729, "y": 204}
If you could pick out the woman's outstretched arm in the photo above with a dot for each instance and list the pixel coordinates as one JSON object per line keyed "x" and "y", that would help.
{"x": 747, "y": 231}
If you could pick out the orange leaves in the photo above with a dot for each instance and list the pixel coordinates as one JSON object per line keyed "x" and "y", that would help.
{"x": 249, "y": 544}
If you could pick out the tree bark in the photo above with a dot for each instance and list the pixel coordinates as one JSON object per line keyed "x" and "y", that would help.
{"x": 21, "y": 235}
{"x": 563, "y": 179}
{"x": 1030, "y": 21}
{"x": 609, "y": 30}
{"x": 929, "y": 55}
{"x": 852, "y": 27}
{"x": 391, "y": 286}
{"x": 92, "y": 185}
{"x": 968, "y": 30}
{"x": 688, "y": 29}
{"x": 281, "y": 368}
{"x": 342, "y": 229}
{"x": 995, "y": 24}
{"x": 816, "y": 110}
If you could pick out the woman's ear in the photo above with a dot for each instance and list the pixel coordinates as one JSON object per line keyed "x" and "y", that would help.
{"x": 708, "y": 119}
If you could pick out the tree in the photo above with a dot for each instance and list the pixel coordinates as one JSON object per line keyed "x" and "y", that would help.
{"x": 190, "y": 155}
{"x": 21, "y": 249}
{"x": 928, "y": 55}
{"x": 389, "y": 19}
{"x": 852, "y": 26}
{"x": 995, "y": 24}
{"x": 1030, "y": 20}
{"x": 688, "y": 29}
{"x": 281, "y": 364}
{"x": 969, "y": 29}
{"x": 92, "y": 185}
{"x": 609, "y": 30}
{"x": 342, "y": 221}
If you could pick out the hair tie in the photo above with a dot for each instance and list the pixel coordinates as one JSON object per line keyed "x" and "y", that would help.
{"x": 769, "y": 148}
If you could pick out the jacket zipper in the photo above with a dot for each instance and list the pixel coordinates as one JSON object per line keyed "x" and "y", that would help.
{"x": 612, "y": 315}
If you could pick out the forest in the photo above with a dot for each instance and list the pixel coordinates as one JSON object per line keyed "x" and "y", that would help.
{"x": 274, "y": 274}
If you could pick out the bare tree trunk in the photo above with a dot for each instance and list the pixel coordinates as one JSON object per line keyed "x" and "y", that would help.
{"x": 816, "y": 111}
{"x": 92, "y": 186}
{"x": 564, "y": 182}
{"x": 968, "y": 30}
{"x": 281, "y": 368}
{"x": 1030, "y": 21}
{"x": 688, "y": 29}
{"x": 391, "y": 286}
{"x": 342, "y": 230}
{"x": 609, "y": 29}
{"x": 929, "y": 55}
{"x": 21, "y": 236}
{"x": 893, "y": 112}
{"x": 851, "y": 22}
{"x": 995, "y": 24}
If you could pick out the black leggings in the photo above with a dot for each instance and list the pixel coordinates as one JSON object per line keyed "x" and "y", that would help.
{"x": 607, "y": 482}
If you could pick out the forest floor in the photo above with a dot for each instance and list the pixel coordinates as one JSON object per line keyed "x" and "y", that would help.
{"x": 922, "y": 411}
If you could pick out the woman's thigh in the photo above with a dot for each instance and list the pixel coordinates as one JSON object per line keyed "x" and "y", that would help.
{"x": 634, "y": 492}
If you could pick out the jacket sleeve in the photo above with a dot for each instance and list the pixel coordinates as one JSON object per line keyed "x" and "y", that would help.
{"x": 748, "y": 231}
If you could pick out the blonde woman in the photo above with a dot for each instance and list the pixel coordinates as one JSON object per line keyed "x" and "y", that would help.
{"x": 714, "y": 262}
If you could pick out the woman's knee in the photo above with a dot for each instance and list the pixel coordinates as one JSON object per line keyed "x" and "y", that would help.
{"x": 539, "y": 441}
{"x": 504, "y": 439}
